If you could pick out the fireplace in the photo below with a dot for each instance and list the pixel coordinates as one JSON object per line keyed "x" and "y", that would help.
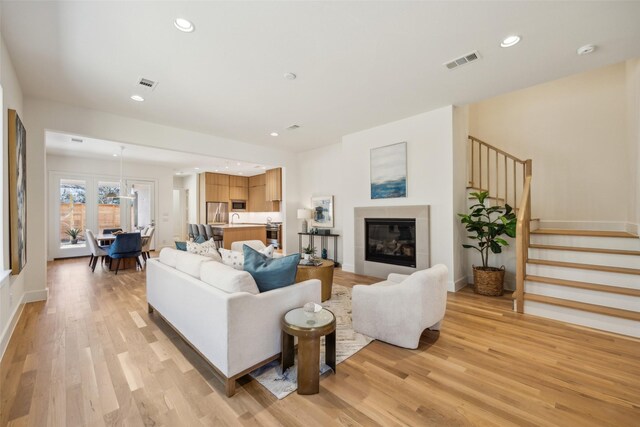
{"x": 391, "y": 241}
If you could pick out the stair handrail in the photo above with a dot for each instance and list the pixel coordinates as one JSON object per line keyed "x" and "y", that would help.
{"x": 523, "y": 238}
{"x": 490, "y": 162}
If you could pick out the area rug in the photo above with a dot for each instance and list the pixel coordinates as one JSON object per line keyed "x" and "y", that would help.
{"x": 348, "y": 343}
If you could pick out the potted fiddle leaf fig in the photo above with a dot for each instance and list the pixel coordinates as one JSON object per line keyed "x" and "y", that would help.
{"x": 486, "y": 225}
{"x": 73, "y": 233}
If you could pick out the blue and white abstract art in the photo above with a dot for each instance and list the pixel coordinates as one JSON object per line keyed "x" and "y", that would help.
{"x": 389, "y": 171}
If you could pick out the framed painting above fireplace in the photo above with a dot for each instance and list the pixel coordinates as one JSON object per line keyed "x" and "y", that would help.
{"x": 389, "y": 171}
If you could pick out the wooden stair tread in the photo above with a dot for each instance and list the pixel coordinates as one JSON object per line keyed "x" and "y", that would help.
{"x": 584, "y": 285}
{"x": 595, "y": 267}
{"x": 593, "y": 308}
{"x": 590, "y": 233}
{"x": 581, "y": 249}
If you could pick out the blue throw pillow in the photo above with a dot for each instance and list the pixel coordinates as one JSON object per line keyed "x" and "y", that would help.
{"x": 200, "y": 239}
{"x": 181, "y": 246}
{"x": 270, "y": 273}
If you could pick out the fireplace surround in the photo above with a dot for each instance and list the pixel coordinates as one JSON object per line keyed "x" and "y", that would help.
{"x": 417, "y": 213}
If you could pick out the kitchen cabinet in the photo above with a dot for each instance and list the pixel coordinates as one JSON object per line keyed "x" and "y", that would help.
{"x": 257, "y": 180}
{"x": 238, "y": 188}
{"x": 273, "y": 184}
{"x": 214, "y": 187}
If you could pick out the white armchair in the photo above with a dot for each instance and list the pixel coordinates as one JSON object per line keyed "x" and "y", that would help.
{"x": 400, "y": 308}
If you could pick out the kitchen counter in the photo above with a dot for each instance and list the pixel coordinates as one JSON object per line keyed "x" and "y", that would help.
{"x": 238, "y": 232}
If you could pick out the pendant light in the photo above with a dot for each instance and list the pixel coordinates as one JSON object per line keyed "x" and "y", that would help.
{"x": 112, "y": 195}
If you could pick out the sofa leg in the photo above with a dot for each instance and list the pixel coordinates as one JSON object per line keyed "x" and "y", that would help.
{"x": 230, "y": 387}
{"x": 436, "y": 327}
{"x": 149, "y": 308}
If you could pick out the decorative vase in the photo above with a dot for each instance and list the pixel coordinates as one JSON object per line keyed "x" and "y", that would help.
{"x": 306, "y": 257}
{"x": 324, "y": 254}
{"x": 488, "y": 280}
{"x": 74, "y": 241}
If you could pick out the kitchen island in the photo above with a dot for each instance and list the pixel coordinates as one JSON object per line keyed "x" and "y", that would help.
{"x": 238, "y": 232}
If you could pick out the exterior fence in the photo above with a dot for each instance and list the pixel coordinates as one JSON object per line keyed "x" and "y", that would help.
{"x": 75, "y": 216}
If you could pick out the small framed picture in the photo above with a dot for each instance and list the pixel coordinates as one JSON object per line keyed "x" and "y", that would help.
{"x": 322, "y": 211}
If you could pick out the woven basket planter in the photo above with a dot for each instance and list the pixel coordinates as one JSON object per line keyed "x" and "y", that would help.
{"x": 488, "y": 280}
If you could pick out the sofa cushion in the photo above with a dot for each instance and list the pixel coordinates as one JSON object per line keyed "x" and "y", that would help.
{"x": 168, "y": 256}
{"x": 207, "y": 248}
{"x": 190, "y": 263}
{"x": 200, "y": 239}
{"x": 181, "y": 246}
{"x": 232, "y": 258}
{"x": 270, "y": 273}
{"x": 227, "y": 279}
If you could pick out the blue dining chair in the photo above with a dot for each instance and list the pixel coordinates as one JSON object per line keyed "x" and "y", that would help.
{"x": 127, "y": 245}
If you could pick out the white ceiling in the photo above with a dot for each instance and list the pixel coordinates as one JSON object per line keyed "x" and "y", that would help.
{"x": 180, "y": 162}
{"x": 359, "y": 64}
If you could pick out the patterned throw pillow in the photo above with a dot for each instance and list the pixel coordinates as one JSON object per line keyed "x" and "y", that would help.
{"x": 232, "y": 258}
{"x": 268, "y": 251}
{"x": 208, "y": 248}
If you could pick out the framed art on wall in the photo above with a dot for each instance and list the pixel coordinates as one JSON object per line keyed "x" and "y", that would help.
{"x": 17, "y": 193}
{"x": 389, "y": 171}
{"x": 322, "y": 211}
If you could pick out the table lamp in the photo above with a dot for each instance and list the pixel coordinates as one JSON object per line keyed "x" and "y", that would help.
{"x": 304, "y": 215}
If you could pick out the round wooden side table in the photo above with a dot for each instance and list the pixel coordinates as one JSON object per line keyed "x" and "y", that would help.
{"x": 324, "y": 272}
{"x": 308, "y": 327}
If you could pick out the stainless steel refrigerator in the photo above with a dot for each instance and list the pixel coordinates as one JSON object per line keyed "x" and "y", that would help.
{"x": 217, "y": 212}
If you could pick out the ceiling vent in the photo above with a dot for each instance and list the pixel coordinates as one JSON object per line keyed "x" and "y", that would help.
{"x": 465, "y": 59}
{"x": 293, "y": 127}
{"x": 147, "y": 84}
{"x": 78, "y": 140}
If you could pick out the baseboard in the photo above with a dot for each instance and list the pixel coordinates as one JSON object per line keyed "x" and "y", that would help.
{"x": 632, "y": 228}
{"x": 33, "y": 296}
{"x": 460, "y": 283}
{"x": 350, "y": 268}
{"x": 8, "y": 330}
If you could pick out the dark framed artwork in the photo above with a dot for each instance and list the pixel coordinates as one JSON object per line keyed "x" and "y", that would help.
{"x": 17, "y": 193}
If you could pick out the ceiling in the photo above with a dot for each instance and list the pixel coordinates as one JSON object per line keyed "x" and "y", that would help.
{"x": 359, "y": 64}
{"x": 180, "y": 162}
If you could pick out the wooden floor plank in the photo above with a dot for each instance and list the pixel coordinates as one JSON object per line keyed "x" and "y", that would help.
{"x": 91, "y": 355}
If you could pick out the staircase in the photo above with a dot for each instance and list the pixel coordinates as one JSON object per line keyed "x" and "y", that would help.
{"x": 586, "y": 277}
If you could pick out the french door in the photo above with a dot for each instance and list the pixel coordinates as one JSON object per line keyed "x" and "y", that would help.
{"x": 81, "y": 202}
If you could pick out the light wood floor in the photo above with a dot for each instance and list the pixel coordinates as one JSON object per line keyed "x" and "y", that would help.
{"x": 91, "y": 355}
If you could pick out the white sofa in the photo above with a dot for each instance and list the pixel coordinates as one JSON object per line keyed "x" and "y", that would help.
{"x": 220, "y": 312}
{"x": 400, "y": 308}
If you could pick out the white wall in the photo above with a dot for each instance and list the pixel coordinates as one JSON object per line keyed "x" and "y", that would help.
{"x": 322, "y": 174}
{"x": 13, "y": 289}
{"x": 574, "y": 130}
{"x": 110, "y": 167}
{"x": 430, "y": 164}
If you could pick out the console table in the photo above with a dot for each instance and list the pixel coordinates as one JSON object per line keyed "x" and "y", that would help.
{"x": 324, "y": 240}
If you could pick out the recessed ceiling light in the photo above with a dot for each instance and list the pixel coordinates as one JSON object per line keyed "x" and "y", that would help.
{"x": 510, "y": 41}
{"x": 137, "y": 98}
{"x": 197, "y": 169}
{"x": 115, "y": 155}
{"x": 184, "y": 25}
{"x": 290, "y": 76}
{"x": 178, "y": 173}
{"x": 216, "y": 170}
{"x": 274, "y": 134}
{"x": 264, "y": 167}
{"x": 586, "y": 49}
{"x": 239, "y": 173}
